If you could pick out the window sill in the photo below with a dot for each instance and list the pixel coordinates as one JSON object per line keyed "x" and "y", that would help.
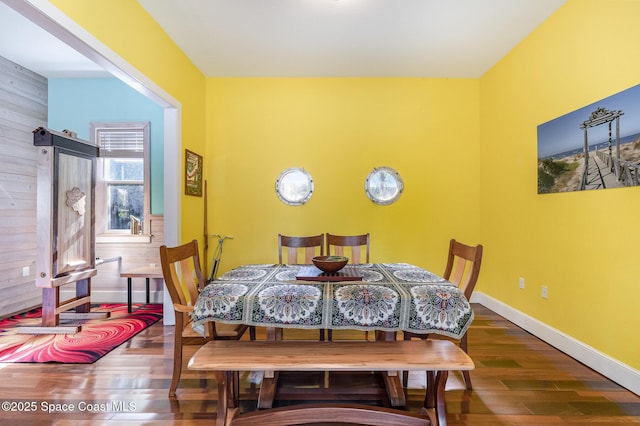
{"x": 123, "y": 238}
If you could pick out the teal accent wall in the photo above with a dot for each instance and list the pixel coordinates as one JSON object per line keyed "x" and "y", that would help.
{"x": 76, "y": 102}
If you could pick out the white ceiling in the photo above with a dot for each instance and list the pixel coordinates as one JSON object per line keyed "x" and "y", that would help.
{"x": 28, "y": 45}
{"x": 311, "y": 38}
{"x": 314, "y": 38}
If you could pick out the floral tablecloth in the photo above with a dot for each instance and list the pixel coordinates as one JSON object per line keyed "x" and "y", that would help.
{"x": 390, "y": 297}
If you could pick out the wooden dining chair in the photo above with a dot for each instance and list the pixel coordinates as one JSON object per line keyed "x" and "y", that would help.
{"x": 184, "y": 279}
{"x": 300, "y": 250}
{"x": 463, "y": 268}
{"x": 351, "y": 246}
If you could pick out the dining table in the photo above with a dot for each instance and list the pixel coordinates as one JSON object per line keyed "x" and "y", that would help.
{"x": 381, "y": 297}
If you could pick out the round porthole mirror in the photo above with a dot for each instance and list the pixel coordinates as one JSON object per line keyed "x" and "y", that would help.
{"x": 294, "y": 186}
{"x": 383, "y": 185}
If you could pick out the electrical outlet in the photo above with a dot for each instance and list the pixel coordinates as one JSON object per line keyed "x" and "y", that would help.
{"x": 521, "y": 282}
{"x": 545, "y": 292}
{"x": 26, "y": 271}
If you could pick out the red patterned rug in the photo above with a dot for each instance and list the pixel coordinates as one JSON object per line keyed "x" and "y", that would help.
{"x": 96, "y": 338}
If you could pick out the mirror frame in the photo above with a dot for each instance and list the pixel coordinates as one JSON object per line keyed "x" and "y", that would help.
{"x": 284, "y": 188}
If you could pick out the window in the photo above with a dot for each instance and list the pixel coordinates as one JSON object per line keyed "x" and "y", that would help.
{"x": 122, "y": 189}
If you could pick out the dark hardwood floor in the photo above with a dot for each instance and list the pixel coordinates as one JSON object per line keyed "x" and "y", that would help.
{"x": 518, "y": 380}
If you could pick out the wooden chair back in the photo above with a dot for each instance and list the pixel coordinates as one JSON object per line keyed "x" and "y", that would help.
{"x": 182, "y": 273}
{"x": 300, "y": 250}
{"x": 356, "y": 245}
{"x": 463, "y": 266}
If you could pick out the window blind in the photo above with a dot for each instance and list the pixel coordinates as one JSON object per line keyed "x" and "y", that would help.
{"x": 121, "y": 143}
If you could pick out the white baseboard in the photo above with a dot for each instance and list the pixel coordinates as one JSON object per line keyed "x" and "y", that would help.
{"x": 613, "y": 369}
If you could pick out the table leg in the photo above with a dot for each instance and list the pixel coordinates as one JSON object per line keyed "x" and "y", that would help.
{"x": 273, "y": 333}
{"x": 269, "y": 383}
{"x": 147, "y": 291}
{"x": 129, "y": 294}
{"x": 392, "y": 381}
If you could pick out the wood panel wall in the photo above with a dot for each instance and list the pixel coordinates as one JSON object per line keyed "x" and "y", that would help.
{"x": 23, "y": 108}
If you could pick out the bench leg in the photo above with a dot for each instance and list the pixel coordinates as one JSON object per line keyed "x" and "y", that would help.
{"x": 221, "y": 415}
{"x": 268, "y": 389}
{"x": 395, "y": 392}
{"x": 435, "y": 397}
{"x": 228, "y": 395}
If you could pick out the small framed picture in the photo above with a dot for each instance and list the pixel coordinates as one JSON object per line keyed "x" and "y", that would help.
{"x": 192, "y": 173}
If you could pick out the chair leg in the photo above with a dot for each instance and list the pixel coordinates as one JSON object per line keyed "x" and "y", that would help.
{"x": 431, "y": 394}
{"x": 236, "y": 388}
{"x": 252, "y": 332}
{"x": 177, "y": 367}
{"x": 467, "y": 379}
{"x": 465, "y": 374}
{"x": 329, "y": 335}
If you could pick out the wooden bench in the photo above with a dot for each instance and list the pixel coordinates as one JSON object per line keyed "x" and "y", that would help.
{"x": 226, "y": 358}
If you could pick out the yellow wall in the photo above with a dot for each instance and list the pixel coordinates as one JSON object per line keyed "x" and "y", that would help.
{"x": 582, "y": 245}
{"x": 127, "y": 29}
{"x": 465, "y": 148}
{"x": 339, "y": 130}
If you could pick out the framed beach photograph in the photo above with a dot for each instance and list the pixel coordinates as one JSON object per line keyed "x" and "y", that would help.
{"x": 192, "y": 173}
{"x": 594, "y": 147}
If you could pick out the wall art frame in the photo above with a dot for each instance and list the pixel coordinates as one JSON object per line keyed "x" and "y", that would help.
{"x": 591, "y": 148}
{"x": 192, "y": 173}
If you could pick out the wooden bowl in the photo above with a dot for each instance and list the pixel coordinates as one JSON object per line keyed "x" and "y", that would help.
{"x": 330, "y": 263}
